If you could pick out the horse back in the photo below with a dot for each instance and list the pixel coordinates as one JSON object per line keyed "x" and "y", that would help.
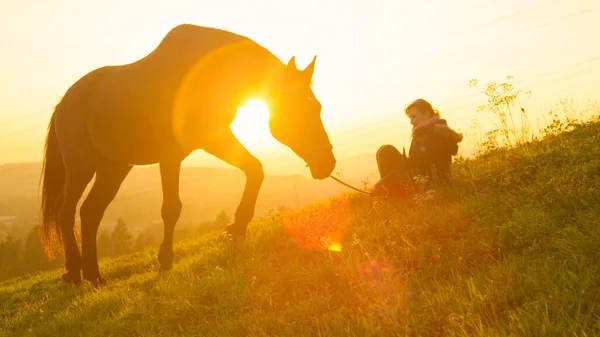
{"x": 129, "y": 108}
{"x": 130, "y": 113}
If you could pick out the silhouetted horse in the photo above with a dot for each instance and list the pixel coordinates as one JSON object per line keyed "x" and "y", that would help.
{"x": 181, "y": 97}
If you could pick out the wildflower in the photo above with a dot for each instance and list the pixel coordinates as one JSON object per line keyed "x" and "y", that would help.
{"x": 326, "y": 241}
{"x": 423, "y": 197}
{"x": 420, "y": 180}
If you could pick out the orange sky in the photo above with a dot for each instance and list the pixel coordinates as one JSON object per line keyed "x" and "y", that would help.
{"x": 373, "y": 58}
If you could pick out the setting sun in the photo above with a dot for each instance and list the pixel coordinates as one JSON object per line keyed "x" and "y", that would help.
{"x": 251, "y": 125}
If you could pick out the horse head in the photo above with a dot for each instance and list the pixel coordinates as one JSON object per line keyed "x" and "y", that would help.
{"x": 295, "y": 120}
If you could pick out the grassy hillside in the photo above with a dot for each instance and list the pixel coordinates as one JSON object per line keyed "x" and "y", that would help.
{"x": 513, "y": 248}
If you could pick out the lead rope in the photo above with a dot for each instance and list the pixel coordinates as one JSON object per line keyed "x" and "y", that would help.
{"x": 329, "y": 146}
{"x": 349, "y": 186}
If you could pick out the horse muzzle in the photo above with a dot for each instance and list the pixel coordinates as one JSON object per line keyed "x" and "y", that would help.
{"x": 321, "y": 161}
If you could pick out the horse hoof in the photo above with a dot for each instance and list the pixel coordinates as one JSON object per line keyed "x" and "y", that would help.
{"x": 96, "y": 281}
{"x": 100, "y": 282}
{"x": 165, "y": 264}
{"x": 165, "y": 269}
{"x": 165, "y": 258}
{"x": 230, "y": 239}
{"x": 235, "y": 232}
{"x": 71, "y": 278}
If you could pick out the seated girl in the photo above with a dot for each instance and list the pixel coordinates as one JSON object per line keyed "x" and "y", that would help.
{"x": 432, "y": 147}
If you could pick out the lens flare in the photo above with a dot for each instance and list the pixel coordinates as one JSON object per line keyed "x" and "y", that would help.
{"x": 198, "y": 106}
{"x": 336, "y": 247}
{"x": 321, "y": 226}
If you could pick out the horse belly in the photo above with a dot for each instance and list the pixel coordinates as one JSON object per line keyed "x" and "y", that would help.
{"x": 125, "y": 138}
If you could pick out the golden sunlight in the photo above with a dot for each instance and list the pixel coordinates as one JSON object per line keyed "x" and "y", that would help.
{"x": 251, "y": 125}
{"x": 336, "y": 247}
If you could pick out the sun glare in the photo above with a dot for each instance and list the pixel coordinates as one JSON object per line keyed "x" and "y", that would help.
{"x": 251, "y": 125}
{"x": 336, "y": 247}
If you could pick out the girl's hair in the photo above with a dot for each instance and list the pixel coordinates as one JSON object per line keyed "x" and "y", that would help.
{"x": 422, "y": 105}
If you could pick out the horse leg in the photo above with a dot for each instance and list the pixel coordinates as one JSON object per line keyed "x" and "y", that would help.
{"x": 109, "y": 177}
{"x": 170, "y": 210}
{"x": 76, "y": 181}
{"x": 233, "y": 152}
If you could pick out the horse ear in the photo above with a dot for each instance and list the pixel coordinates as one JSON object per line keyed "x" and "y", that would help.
{"x": 292, "y": 62}
{"x": 310, "y": 69}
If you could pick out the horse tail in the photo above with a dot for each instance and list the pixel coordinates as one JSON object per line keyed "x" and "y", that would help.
{"x": 53, "y": 183}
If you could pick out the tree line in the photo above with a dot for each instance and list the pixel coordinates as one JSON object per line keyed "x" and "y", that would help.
{"x": 21, "y": 257}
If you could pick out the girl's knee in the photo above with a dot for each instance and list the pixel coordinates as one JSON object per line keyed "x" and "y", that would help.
{"x": 386, "y": 150}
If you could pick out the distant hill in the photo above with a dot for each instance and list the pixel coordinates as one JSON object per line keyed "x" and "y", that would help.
{"x": 205, "y": 191}
{"x": 357, "y": 168}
